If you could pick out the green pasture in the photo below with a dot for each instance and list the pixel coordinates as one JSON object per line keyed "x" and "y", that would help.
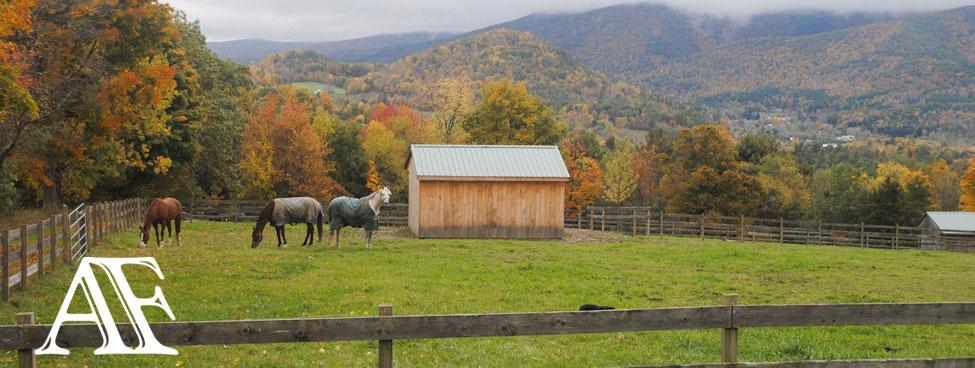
{"x": 314, "y": 86}
{"x": 215, "y": 275}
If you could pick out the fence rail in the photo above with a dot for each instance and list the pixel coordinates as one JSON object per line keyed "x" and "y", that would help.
{"x": 385, "y": 328}
{"x": 34, "y": 249}
{"x": 646, "y": 221}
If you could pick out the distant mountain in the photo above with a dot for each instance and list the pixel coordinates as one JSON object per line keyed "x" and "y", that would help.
{"x": 373, "y": 48}
{"x": 245, "y": 51}
{"x": 907, "y": 77}
{"x": 582, "y": 96}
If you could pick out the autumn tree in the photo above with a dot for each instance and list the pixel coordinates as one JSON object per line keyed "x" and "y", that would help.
{"x": 372, "y": 178}
{"x": 585, "y": 177}
{"x": 838, "y": 194}
{"x": 284, "y": 152}
{"x": 388, "y": 153}
{"x": 619, "y": 180}
{"x": 648, "y": 164}
{"x": 450, "y": 100}
{"x": 509, "y": 114}
{"x": 968, "y": 189}
{"x": 752, "y": 148}
{"x": 705, "y": 178}
{"x": 945, "y": 187}
{"x": 787, "y": 189}
{"x": 351, "y": 162}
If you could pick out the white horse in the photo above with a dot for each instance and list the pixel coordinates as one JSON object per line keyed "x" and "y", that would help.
{"x": 356, "y": 212}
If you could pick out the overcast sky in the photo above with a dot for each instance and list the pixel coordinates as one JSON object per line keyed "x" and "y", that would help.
{"x": 331, "y": 20}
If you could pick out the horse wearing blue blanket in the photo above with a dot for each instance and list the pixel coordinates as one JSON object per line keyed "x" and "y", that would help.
{"x": 356, "y": 212}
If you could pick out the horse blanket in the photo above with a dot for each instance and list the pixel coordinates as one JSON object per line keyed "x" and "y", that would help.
{"x": 355, "y": 212}
{"x": 295, "y": 210}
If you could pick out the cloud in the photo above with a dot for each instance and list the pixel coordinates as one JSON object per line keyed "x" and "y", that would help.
{"x": 321, "y": 20}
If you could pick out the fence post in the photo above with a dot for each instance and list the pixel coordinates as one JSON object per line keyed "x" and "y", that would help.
{"x": 820, "y": 239}
{"x": 6, "y": 265}
{"x": 589, "y": 213}
{"x": 385, "y": 346}
{"x": 40, "y": 249}
{"x": 23, "y": 257}
{"x": 741, "y": 234}
{"x": 661, "y": 224}
{"x": 781, "y": 230}
{"x": 26, "y": 357}
{"x": 897, "y": 235}
{"x": 649, "y": 214}
{"x": 579, "y": 218}
{"x": 634, "y": 222}
{"x": 604, "y": 221}
{"x": 861, "y": 234}
{"x": 702, "y": 227}
{"x": 729, "y": 337}
{"x": 54, "y": 242}
{"x": 66, "y": 232}
{"x": 192, "y": 203}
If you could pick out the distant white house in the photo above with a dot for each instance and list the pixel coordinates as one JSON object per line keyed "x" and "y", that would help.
{"x": 834, "y": 145}
{"x": 845, "y": 138}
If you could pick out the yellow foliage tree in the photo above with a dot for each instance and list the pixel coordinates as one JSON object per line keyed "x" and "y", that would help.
{"x": 620, "y": 181}
{"x": 968, "y": 189}
{"x": 372, "y": 178}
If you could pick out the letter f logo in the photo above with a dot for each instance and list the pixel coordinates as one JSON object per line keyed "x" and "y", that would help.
{"x": 100, "y": 313}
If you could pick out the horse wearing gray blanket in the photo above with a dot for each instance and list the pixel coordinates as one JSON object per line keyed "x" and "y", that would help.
{"x": 356, "y": 212}
{"x": 294, "y": 210}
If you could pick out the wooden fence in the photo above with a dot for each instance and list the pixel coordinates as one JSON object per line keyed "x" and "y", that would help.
{"x": 730, "y": 317}
{"x": 33, "y": 249}
{"x": 645, "y": 221}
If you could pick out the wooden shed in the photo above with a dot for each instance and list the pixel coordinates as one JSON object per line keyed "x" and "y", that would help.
{"x": 469, "y": 191}
{"x": 948, "y": 230}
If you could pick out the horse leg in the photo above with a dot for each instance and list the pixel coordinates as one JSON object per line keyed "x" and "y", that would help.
{"x": 330, "y": 233}
{"x": 158, "y": 242}
{"x": 309, "y": 235}
{"x": 169, "y": 228}
{"x": 368, "y": 239}
{"x": 284, "y": 236}
{"x": 179, "y": 240}
{"x": 337, "y": 244}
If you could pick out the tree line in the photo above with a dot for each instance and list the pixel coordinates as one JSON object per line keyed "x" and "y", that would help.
{"x": 111, "y": 99}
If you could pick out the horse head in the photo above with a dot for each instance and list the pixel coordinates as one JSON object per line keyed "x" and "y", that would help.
{"x": 256, "y": 237}
{"x": 385, "y": 193}
{"x": 143, "y": 235}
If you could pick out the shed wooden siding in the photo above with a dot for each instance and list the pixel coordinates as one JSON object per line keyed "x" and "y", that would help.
{"x": 489, "y": 207}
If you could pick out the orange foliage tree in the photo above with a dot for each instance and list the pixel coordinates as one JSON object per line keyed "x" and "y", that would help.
{"x": 283, "y": 151}
{"x": 968, "y": 189}
{"x": 585, "y": 177}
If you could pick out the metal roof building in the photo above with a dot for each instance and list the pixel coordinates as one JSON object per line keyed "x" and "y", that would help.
{"x": 949, "y": 230}
{"x": 470, "y": 191}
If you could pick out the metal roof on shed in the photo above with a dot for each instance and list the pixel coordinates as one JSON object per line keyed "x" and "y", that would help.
{"x": 954, "y": 221}
{"x": 488, "y": 161}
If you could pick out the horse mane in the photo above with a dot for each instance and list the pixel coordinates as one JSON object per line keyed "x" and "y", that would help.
{"x": 264, "y": 217}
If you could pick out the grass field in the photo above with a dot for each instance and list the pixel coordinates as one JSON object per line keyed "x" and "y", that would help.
{"x": 314, "y": 86}
{"x": 216, "y": 276}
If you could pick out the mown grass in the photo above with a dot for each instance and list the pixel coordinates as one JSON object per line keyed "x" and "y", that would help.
{"x": 314, "y": 86}
{"x": 216, "y": 276}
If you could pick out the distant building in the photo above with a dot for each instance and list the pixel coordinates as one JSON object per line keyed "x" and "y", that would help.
{"x": 948, "y": 231}
{"x": 834, "y": 145}
{"x": 845, "y": 138}
{"x": 461, "y": 191}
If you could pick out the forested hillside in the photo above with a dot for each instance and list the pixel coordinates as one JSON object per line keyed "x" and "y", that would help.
{"x": 907, "y": 77}
{"x": 582, "y": 96}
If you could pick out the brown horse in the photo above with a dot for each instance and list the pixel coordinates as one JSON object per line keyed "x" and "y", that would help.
{"x": 160, "y": 213}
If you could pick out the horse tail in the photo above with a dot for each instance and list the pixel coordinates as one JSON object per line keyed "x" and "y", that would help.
{"x": 321, "y": 219}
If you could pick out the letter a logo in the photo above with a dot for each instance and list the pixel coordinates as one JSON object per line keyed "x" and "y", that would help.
{"x": 100, "y": 313}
